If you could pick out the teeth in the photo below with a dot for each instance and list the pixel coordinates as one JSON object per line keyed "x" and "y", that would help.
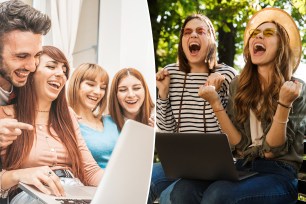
{"x": 54, "y": 84}
{"x": 131, "y": 102}
{"x": 258, "y": 45}
{"x": 93, "y": 98}
{"x": 194, "y": 43}
{"x": 22, "y": 73}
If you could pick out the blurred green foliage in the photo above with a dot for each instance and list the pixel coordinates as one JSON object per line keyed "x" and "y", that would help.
{"x": 167, "y": 16}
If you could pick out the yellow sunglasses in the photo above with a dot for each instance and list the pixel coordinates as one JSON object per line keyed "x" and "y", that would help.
{"x": 268, "y": 32}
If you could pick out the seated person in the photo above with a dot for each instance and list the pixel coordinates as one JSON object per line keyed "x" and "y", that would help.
{"x": 265, "y": 119}
{"x": 87, "y": 95}
{"x": 55, "y": 143}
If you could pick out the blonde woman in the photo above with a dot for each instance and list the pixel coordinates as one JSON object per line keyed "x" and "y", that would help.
{"x": 87, "y": 95}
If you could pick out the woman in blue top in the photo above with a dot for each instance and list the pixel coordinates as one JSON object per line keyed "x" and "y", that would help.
{"x": 87, "y": 95}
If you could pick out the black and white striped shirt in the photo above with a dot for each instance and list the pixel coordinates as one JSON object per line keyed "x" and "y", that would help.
{"x": 193, "y": 106}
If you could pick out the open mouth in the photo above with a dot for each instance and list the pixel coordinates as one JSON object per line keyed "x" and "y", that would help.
{"x": 194, "y": 47}
{"x": 93, "y": 98}
{"x": 54, "y": 84}
{"x": 259, "y": 48}
{"x": 22, "y": 73}
{"x": 131, "y": 101}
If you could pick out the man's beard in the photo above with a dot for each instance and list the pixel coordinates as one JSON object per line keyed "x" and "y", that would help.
{"x": 4, "y": 74}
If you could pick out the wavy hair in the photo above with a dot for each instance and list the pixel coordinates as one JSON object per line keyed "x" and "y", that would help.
{"x": 59, "y": 118}
{"x": 250, "y": 92}
{"x": 115, "y": 109}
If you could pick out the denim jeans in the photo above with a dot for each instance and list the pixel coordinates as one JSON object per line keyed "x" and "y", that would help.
{"x": 276, "y": 182}
{"x": 159, "y": 182}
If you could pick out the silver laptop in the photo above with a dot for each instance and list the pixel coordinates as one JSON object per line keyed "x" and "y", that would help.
{"x": 197, "y": 156}
{"x": 126, "y": 178}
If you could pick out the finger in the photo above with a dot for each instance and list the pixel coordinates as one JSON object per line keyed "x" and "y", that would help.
{"x": 48, "y": 180}
{"x": 5, "y": 144}
{"x": 19, "y": 125}
{"x": 7, "y": 138}
{"x": 38, "y": 184}
{"x": 58, "y": 184}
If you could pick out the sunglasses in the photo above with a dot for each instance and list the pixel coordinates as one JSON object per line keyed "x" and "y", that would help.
{"x": 199, "y": 31}
{"x": 268, "y": 32}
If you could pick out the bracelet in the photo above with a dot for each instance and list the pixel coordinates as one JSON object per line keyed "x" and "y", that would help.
{"x": 3, "y": 193}
{"x": 280, "y": 122}
{"x": 218, "y": 110}
{"x": 288, "y": 107}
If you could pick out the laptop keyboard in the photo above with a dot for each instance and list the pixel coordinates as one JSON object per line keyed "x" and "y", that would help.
{"x": 73, "y": 201}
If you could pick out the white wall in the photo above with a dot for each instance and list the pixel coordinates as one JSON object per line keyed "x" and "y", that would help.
{"x": 85, "y": 49}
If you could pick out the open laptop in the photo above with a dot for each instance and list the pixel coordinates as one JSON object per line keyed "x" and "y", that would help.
{"x": 126, "y": 178}
{"x": 197, "y": 156}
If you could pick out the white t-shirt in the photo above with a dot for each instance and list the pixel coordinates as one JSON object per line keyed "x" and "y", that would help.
{"x": 4, "y": 96}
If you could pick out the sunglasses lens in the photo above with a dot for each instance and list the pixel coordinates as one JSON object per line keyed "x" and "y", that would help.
{"x": 269, "y": 32}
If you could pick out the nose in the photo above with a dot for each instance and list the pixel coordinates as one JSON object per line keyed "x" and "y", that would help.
{"x": 60, "y": 73}
{"x": 131, "y": 93}
{"x": 259, "y": 35}
{"x": 96, "y": 89}
{"x": 194, "y": 34}
{"x": 31, "y": 65}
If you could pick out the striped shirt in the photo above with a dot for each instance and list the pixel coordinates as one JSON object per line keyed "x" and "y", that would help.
{"x": 196, "y": 113}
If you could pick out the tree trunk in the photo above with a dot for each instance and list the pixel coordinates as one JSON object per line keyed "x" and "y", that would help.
{"x": 154, "y": 12}
{"x": 226, "y": 45}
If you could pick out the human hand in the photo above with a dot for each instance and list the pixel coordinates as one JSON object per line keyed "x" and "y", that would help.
{"x": 10, "y": 129}
{"x": 42, "y": 178}
{"x": 215, "y": 79}
{"x": 289, "y": 92}
{"x": 208, "y": 93}
{"x": 162, "y": 83}
{"x": 151, "y": 120}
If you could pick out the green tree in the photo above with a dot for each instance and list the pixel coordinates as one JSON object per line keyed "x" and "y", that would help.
{"x": 228, "y": 16}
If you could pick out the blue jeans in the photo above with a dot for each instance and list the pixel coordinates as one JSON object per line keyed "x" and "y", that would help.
{"x": 275, "y": 183}
{"x": 159, "y": 182}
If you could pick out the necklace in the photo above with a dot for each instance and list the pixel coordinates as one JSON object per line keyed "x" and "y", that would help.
{"x": 50, "y": 147}
{"x": 43, "y": 111}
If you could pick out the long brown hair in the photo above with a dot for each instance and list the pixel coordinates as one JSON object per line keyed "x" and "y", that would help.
{"x": 59, "y": 118}
{"x": 211, "y": 58}
{"x": 87, "y": 71}
{"x": 115, "y": 109}
{"x": 250, "y": 92}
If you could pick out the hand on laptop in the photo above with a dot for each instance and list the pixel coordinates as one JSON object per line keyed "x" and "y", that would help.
{"x": 10, "y": 129}
{"x": 43, "y": 178}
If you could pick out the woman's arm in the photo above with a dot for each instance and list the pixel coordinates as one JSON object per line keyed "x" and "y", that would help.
{"x": 209, "y": 93}
{"x": 41, "y": 177}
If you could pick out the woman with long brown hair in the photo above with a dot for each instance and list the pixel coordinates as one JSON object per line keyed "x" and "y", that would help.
{"x": 56, "y": 142}
{"x": 130, "y": 98}
{"x": 265, "y": 119}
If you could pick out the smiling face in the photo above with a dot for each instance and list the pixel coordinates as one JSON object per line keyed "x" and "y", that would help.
{"x": 20, "y": 56}
{"x": 49, "y": 78}
{"x": 263, "y": 44}
{"x": 131, "y": 95}
{"x": 195, "y": 41}
{"x": 91, "y": 93}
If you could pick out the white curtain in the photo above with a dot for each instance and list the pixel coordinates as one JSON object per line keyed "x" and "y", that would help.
{"x": 64, "y": 16}
{"x": 125, "y": 38}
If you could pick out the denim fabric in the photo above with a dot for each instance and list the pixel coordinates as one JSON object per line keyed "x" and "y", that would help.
{"x": 159, "y": 182}
{"x": 276, "y": 182}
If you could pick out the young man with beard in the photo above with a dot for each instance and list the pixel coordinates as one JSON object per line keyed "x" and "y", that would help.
{"x": 21, "y": 31}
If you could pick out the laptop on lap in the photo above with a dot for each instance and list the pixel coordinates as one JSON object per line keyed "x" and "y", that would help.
{"x": 126, "y": 178}
{"x": 204, "y": 156}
